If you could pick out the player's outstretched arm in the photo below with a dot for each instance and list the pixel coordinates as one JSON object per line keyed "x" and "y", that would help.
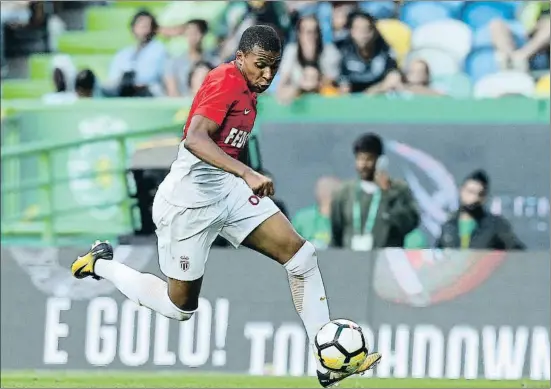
{"x": 199, "y": 143}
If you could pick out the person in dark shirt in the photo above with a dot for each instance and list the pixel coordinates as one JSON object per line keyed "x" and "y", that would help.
{"x": 472, "y": 226}
{"x": 366, "y": 57}
{"x": 375, "y": 210}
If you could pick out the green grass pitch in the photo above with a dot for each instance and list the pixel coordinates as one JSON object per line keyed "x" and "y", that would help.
{"x": 30, "y": 379}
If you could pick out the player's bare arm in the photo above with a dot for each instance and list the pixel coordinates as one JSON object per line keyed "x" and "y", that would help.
{"x": 199, "y": 142}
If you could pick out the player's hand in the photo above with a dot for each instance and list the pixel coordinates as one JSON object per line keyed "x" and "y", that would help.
{"x": 261, "y": 186}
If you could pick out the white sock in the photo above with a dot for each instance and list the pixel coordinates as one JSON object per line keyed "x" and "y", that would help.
{"x": 308, "y": 292}
{"x": 142, "y": 288}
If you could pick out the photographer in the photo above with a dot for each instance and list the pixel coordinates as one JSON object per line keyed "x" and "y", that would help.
{"x": 373, "y": 211}
{"x": 472, "y": 226}
{"x": 137, "y": 71}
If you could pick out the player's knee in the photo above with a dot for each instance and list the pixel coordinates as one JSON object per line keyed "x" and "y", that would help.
{"x": 304, "y": 261}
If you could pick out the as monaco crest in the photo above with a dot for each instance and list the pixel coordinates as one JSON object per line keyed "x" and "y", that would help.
{"x": 184, "y": 263}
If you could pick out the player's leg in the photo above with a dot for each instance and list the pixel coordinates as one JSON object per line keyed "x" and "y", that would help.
{"x": 174, "y": 299}
{"x": 258, "y": 224}
{"x": 276, "y": 238}
{"x": 182, "y": 256}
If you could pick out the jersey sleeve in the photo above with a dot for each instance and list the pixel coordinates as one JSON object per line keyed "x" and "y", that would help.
{"x": 217, "y": 97}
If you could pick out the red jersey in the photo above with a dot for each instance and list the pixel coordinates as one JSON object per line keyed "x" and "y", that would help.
{"x": 226, "y": 99}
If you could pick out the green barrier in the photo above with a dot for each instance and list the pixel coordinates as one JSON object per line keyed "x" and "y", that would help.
{"x": 63, "y": 167}
{"x": 66, "y": 173}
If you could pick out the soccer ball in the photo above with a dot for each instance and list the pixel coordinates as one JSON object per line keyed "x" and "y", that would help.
{"x": 341, "y": 346}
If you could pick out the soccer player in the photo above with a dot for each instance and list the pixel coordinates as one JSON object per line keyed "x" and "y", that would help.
{"x": 209, "y": 192}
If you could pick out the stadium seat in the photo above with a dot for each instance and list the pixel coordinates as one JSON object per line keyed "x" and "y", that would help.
{"x": 379, "y": 9}
{"x": 111, "y": 18}
{"x": 397, "y": 35}
{"x": 450, "y": 35}
{"x": 440, "y": 62}
{"x": 543, "y": 87}
{"x": 478, "y": 14}
{"x": 140, "y": 4}
{"x": 455, "y": 7}
{"x": 25, "y": 89}
{"x": 40, "y": 65}
{"x": 94, "y": 42}
{"x": 416, "y": 13}
{"x": 454, "y": 85}
{"x": 180, "y": 12}
{"x": 505, "y": 83}
{"x": 483, "y": 38}
{"x": 480, "y": 63}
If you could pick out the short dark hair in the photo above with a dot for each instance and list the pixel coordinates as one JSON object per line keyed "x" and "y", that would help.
{"x": 369, "y": 143}
{"x": 85, "y": 79}
{"x": 481, "y": 177}
{"x": 262, "y": 36}
{"x": 201, "y": 24}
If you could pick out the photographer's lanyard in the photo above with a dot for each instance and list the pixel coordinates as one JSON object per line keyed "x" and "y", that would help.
{"x": 371, "y": 214}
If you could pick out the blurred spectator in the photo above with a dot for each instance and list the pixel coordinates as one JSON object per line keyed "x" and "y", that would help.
{"x": 535, "y": 53}
{"x": 272, "y": 13}
{"x": 374, "y": 211}
{"x": 367, "y": 58}
{"x": 314, "y": 223}
{"x": 85, "y": 84}
{"x": 308, "y": 51}
{"x": 416, "y": 81}
{"x": 137, "y": 71}
{"x": 178, "y": 69}
{"x": 14, "y": 13}
{"x": 84, "y": 87}
{"x": 472, "y": 226}
{"x": 197, "y": 75}
{"x": 340, "y": 20}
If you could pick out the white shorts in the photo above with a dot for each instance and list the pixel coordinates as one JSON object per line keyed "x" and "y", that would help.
{"x": 185, "y": 235}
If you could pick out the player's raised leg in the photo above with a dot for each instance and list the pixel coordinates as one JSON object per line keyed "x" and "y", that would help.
{"x": 174, "y": 299}
{"x": 183, "y": 250}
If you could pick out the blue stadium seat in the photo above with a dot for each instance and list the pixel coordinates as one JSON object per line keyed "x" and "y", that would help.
{"x": 480, "y": 63}
{"x": 478, "y": 14}
{"x": 415, "y": 13}
{"x": 454, "y": 85}
{"x": 455, "y": 6}
{"x": 482, "y": 37}
{"x": 325, "y": 17}
{"x": 379, "y": 9}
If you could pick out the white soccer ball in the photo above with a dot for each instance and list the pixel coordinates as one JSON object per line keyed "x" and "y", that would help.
{"x": 341, "y": 346}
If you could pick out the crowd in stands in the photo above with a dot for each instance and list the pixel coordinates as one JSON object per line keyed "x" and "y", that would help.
{"x": 398, "y": 48}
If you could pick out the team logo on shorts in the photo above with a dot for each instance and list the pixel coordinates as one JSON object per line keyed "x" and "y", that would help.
{"x": 184, "y": 263}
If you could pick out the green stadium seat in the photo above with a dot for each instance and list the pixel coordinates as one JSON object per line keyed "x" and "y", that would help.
{"x": 110, "y": 18}
{"x": 40, "y": 65}
{"x": 93, "y": 42}
{"x": 25, "y": 89}
{"x": 141, "y": 4}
